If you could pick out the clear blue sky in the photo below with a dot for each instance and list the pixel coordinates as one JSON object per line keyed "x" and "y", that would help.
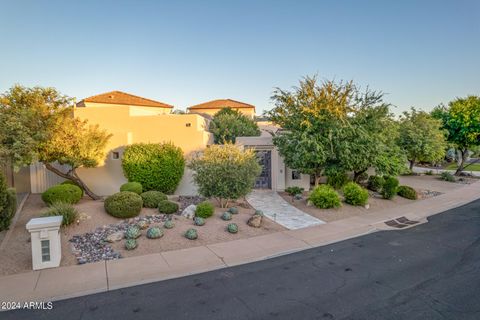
{"x": 421, "y": 53}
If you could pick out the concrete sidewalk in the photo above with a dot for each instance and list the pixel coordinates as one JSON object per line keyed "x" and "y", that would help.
{"x": 72, "y": 281}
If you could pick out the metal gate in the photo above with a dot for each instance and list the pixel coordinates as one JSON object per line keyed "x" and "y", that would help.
{"x": 264, "y": 180}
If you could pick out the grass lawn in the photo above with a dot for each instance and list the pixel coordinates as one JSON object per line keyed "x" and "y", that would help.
{"x": 472, "y": 167}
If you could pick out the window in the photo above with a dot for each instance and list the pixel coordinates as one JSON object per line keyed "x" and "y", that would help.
{"x": 296, "y": 175}
{"x": 45, "y": 245}
{"x": 115, "y": 155}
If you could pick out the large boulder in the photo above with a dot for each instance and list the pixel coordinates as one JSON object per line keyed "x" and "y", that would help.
{"x": 116, "y": 236}
{"x": 255, "y": 221}
{"x": 189, "y": 212}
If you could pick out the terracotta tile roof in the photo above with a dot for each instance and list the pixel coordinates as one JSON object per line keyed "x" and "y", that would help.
{"x": 221, "y": 103}
{"x": 118, "y": 97}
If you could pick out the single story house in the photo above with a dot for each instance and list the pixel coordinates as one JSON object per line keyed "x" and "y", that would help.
{"x": 132, "y": 119}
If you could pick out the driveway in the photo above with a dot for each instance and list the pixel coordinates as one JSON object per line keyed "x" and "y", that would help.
{"x": 428, "y": 272}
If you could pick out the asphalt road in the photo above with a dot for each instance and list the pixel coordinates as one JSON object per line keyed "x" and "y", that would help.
{"x": 428, "y": 272}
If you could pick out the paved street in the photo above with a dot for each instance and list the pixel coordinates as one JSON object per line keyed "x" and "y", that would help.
{"x": 428, "y": 272}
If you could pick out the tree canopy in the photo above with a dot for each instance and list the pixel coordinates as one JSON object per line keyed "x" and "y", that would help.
{"x": 37, "y": 124}
{"x": 228, "y": 124}
{"x": 461, "y": 120}
{"x": 421, "y": 137}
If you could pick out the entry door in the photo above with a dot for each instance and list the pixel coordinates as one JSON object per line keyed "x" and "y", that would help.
{"x": 264, "y": 180}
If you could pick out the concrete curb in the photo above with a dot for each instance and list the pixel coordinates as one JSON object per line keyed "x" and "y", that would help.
{"x": 73, "y": 281}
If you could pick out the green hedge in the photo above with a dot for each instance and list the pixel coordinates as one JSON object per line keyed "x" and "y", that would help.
{"x": 324, "y": 197}
{"x": 407, "y": 192}
{"x": 389, "y": 188}
{"x": 66, "y": 210}
{"x": 132, "y": 187}
{"x": 66, "y": 193}
{"x": 155, "y": 166}
{"x": 337, "y": 179}
{"x": 167, "y": 207}
{"x": 355, "y": 194}
{"x": 375, "y": 183}
{"x": 124, "y": 204}
{"x": 9, "y": 209}
{"x": 152, "y": 198}
{"x": 204, "y": 209}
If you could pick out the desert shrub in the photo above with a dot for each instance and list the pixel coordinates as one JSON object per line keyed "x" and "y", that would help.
{"x": 124, "y": 204}
{"x": 152, "y": 198}
{"x": 429, "y": 173}
{"x": 447, "y": 176}
{"x": 355, "y": 194}
{"x": 66, "y": 210}
{"x": 324, "y": 197}
{"x": 8, "y": 208}
{"x": 407, "y": 192}
{"x": 74, "y": 183}
{"x": 362, "y": 177}
{"x": 204, "y": 209}
{"x": 294, "y": 190}
{"x": 66, "y": 193}
{"x": 337, "y": 179}
{"x": 156, "y": 166}
{"x": 375, "y": 183}
{"x": 132, "y": 187}
{"x": 389, "y": 188}
{"x": 225, "y": 172}
{"x": 167, "y": 207}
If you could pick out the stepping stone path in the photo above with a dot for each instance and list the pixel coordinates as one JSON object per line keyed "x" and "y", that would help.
{"x": 277, "y": 209}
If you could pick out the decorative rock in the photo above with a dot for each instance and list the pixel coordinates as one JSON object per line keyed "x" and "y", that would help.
{"x": 189, "y": 212}
{"x": 133, "y": 232}
{"x": 143, "y": 224}
{"x": 255, "y": 221}
{"x": 232, "y": 228}
{"x": 154, "y": 233}
{"x": 367, "y": 206}
{"x": 116, "y": 236}
{"x": 198, "y": 221}
{"x": 191, "y": 234}
{"x": 168, "y": 224}
{"x": 298, "y": 197}
{"x": 226, "y": 216}
{"x": 233, "y": 210}
{"x": 130, "y": 244}
{"x": 309, "y": 203}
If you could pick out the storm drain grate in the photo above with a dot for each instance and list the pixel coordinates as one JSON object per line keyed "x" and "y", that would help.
{"x": 401, "y": 222}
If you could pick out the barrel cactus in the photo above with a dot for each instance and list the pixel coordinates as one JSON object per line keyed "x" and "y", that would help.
{"x": 154, "y": 233}
{"x": 169, "y": 224}
{"x": 191, "y": 234}
{"x": 130, "y": 244}
{"x": 259, "y": 213}
{"x": 226, "y": 216}
{"x": 232, "y": 228}
{"x": 233, "y": 210}
{"x": 133, "y": 232}
{"x": 198, "y": 221}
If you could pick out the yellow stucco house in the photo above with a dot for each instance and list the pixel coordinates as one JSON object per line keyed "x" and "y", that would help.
{"x": 212, "y": 107}
{"x": 132, "y": 119}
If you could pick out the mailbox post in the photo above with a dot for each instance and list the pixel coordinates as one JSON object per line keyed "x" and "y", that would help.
{"x": 45, "y": 240}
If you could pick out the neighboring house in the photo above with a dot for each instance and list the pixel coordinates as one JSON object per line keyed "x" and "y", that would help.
{"x": 212, "y": 107}
{"x": 275, "y": 175}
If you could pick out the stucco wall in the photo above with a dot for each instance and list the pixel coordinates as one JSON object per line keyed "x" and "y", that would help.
{"x": 185, "y": 131}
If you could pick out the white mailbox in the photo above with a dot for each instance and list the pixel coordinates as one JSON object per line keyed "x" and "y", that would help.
{"x": 45, "y": 238}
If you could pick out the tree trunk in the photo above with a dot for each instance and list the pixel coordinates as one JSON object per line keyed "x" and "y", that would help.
{"x": 317, "y": 179}
{"x": 357, "y": 174}
{"x": 463, "y": 153}
{"x": 72, "y": 175}
{"x": 412, "y": 162}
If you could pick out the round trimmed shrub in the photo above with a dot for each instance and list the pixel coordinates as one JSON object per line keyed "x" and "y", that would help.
{"x": 407, "y": 192}
{"x": 152, "y": 198}
{"x": 66, "y": 210}
{"x": 167, "y": 207}
{"x": 66, "y": 193}
{"x": 124, "y": 204}
{"x": 375, "y": 183}
{"x": 324, "y": 197}
{"x": 74, "y": 183}
{"x": 355, "y": 194}
{"x": 204, "y": 210}
{"x": 156, "y": 166}
{"x": 389, "y": 188}
{"x": 132, "y": 187}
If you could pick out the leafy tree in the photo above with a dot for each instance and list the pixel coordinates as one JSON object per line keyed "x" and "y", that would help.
{"x": 36, "y": 124}
{"x": 421, "y": 138}
{"x": 228, "y": 124}
{"x": 225, "y": 172}
{"x": 461, "y": 119}
{"x": 333, "y": 125}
